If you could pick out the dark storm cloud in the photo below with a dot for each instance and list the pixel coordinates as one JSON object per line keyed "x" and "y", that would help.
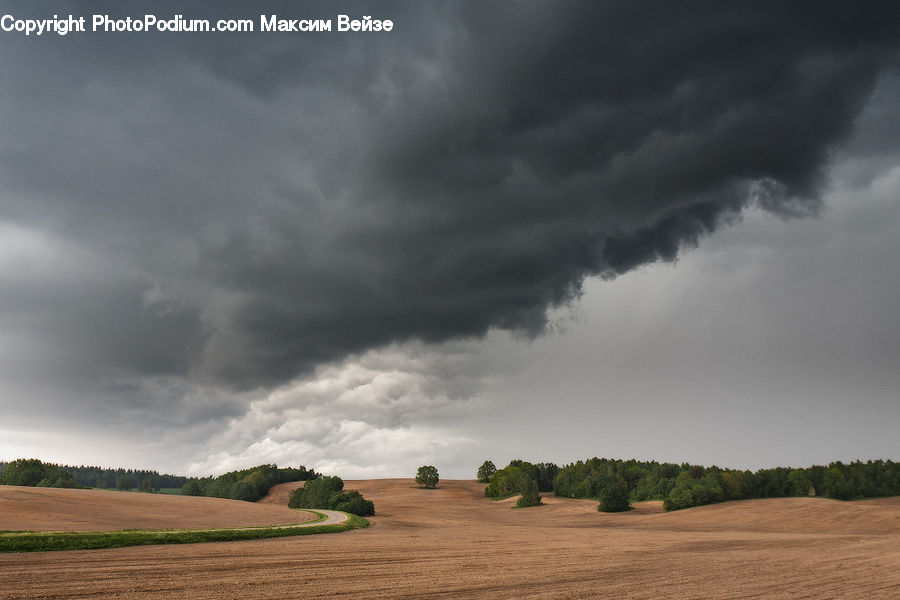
{"x": 249, "y": 206}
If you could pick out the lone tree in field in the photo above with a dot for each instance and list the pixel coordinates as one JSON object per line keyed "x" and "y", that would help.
{"x": 486, "y": 471}
{"x": 427, "y": 476}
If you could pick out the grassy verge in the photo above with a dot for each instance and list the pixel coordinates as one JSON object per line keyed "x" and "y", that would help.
{"x": 93, "y": 540}
{"x": 320, "y": 516}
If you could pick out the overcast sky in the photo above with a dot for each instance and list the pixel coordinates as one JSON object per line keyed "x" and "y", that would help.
{"x": 539, "y": 230}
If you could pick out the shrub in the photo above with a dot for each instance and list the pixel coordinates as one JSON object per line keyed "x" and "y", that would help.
{"x": 530, "y": 494}
{"x": 352, "y": 501}
{"x": 613, "y": 498}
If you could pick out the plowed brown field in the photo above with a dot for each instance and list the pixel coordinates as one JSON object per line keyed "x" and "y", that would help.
{"x": 48, "y": 509}
{"x": 454, "y": 543}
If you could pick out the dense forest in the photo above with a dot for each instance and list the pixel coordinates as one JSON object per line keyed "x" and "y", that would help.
{"x": 124, "y": 478}
{"x": 685, "y": 485}
{"x": 33, "y": 472}
{"x": 616, "y": 483}
{"x": 247, "y": 484}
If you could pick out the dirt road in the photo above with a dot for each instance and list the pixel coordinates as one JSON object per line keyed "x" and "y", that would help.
{"x": 453, "y": 543}
{"x": 332, "y": 517}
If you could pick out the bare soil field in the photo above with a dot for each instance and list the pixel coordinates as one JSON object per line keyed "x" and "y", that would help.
{"x": 49, "y": 509}
{"x": 453, "y": 543}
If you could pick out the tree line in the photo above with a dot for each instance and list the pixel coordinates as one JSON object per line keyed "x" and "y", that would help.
{"x": 34, "y": 472}
{"x": 617, "y": 483}
{"x": 247, "y": 484}
{"x": 685, "y": 485}
{"x": 124, "y": 479}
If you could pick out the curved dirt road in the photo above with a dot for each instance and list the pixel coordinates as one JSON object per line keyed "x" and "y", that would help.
{"x": 332, "y": 517}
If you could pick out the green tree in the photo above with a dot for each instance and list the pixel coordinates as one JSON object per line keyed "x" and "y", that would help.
{"x": 732, "y": 485}
{"x": 613, "y": 498}
{"x": 798, "y": 483}
{"x": 243, "y": 491}
{"x": 486, "y": 471}
{"x": 530, "y": 494}
{"x": 191, "y": 488}
{"x": 680, "y": 497}
{"x": 427, "y": 476}
{"x": 328, "y": 492}
{"x": 685, "y": 494}
{"x": 24, "y": 471}
{"x": 505, "y": 482}
{"x": 836, "y": 485}
{"x": 352, "y": 501}
{"x": 546, "y": 475}
{"x": 56, "y": 477}
{"x": 316, "y": 493}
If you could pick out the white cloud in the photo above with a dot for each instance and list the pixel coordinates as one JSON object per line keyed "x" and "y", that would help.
{"x": 380, "y": 414}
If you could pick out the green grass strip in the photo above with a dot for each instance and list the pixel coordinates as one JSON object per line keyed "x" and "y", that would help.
{"x": 94, "y": 540}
